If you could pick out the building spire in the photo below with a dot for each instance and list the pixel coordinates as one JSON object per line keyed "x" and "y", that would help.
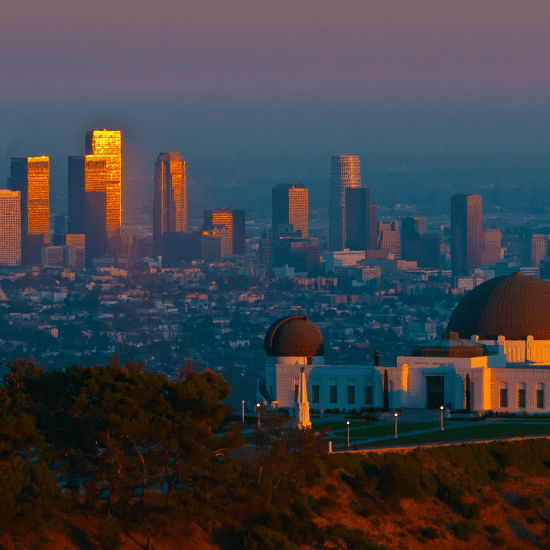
{"x": 302, "y": 407}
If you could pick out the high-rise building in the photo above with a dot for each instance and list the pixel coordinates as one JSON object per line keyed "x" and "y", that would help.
{"x": 466, "y": 233}
{"x": 290, "y": 205}
{"x": 10, "y": 227}
{"x": 412, "y": 230}
{"x": 169, "y": 198}
{"x": 358, "y": 218}
{"x": 59, "y": 229}
{"x": 87, "y": 194}
{"x": 107, "y": 143}
{"x": 31, "y": 177}
{"x": 234, "y": 221}
{"x": 389, "y": 238}
{"x": 345, "y": 172}
{"x": 538, "y": 249}
{"x": 373, "y": 227}
{"x": 492, "y": 240}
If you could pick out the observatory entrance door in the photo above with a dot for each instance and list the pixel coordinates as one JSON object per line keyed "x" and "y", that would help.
{"x": 435, "y": 391}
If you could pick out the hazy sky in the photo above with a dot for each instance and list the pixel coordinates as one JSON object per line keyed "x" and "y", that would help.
{"x": 250, "y": 92}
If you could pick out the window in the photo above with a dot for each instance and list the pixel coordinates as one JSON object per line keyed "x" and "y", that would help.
{"x": 296, "y": 389}
{"x": 521, "y": 395}
{"x": 315, "y": 393}
{"x": 503, "y": 395}
{"x": 310, "y": 360}
{"x": 334, "y": 394}
{"x": 539, "y": 396}
{"x": 351, "y": 395}
{"x": 368, "y": 395}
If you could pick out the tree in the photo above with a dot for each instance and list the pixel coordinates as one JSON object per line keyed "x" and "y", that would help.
{"x": 386, "y": 390}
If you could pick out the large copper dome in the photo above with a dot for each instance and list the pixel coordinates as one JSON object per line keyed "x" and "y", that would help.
{"x": 294, "y": 336}
{"x": 514, "y": 306}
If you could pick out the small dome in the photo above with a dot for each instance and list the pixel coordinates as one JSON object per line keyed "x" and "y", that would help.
{"x": 294, "y": 336}
{"x": 514, "y": 306}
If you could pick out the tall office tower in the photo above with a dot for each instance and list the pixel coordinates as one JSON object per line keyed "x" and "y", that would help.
{"x": 389, "y": 238}
{"x": 31, "y": 177}
{"x": 290, "y": 205}
{"x": 466, "y": 233}
{"x": 169, "y": 198}
{"x": 345, "y": 172}
{"x": 107, "y": 143}
{"x": 412, "y": 230}
{"x": 59, "y": 229}
{"x": 373, "y": 226}
{"x": 492, "y": 239}
{"x": 10, "y": 227}
{"x": 87, "y": 195}
{"x": 234, "y": 221}
{"x": 538, "y": 249}
{"x": 357, "y": 218}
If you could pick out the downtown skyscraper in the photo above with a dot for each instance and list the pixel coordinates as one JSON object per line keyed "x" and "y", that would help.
{"x": 87, "y": 194}
{"x": 345, "y": 173}
{"x": 290, "y": 206}
{"x": 107, "y": 143}
{"x": 10, "y": 228}
{"x": 466, "y": 233}
{"x": 31, "y": 177}
{"x": 169, "y": 198}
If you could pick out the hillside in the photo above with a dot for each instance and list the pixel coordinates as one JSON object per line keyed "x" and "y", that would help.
{"x": 467, "y": 497}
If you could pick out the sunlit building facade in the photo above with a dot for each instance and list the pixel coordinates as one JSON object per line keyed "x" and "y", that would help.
{"x": 290, "y": 205}
{"x": 345, "y": 172}
{"x": 107, "y": 143}
{"x": 10, "y": 227}
{"x": 88, "y": 202}
{"x": 234, "y": 221}
{"x": 31, "y": 177}
{"x": 169, "y": 198}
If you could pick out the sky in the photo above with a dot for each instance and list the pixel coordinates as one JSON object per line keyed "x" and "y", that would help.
{"x": 255, "y": 93}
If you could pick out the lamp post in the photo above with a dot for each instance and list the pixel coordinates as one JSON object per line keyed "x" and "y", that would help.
{"x": 243, "y": 413}
{"x": 258, "y": 407}
{"x": 441, "y": 408}
{"x": 395, "y": 425}
{"x": 348, "y": 431}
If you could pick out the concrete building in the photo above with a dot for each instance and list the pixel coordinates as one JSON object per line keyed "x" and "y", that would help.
{"x": 538, "y": 249}
{"x": 389, "y": 238}
{"x": 358, "y": 218}
{"x": 492, "y": 241}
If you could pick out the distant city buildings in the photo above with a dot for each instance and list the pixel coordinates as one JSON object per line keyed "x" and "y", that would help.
{"x": 290, "y": 205}
{"x": 538, "y": 249}
{"x": 10, "y": 227}
{"x": 107, "y": 143}
{"x": 345, "y": 172}
{"x": 169, "y": 198}
{"x": 389, "y": 238}
{"x": 234, "y": 221}
{"x": 466, "y": 233}
{"x": 358, "y": 230}
{"x": 492, "y": 242}
{"x": 31, "y": 177}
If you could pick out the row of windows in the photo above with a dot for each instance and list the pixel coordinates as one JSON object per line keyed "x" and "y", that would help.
{"x": 333, "y": 394}
{"x": 521, "y": 401}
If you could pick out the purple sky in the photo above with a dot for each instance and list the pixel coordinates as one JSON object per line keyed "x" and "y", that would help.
{"x": 216, "y": 79}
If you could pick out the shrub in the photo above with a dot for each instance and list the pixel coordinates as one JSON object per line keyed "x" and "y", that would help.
{"x": 430, "y": 533}
{"x": 497, "y": 540}
{"x": 534, "y": 502}
{"x": 331, "y": 489}
{"x": 493, "y": 529}
{"x": 109, "y": 533}
{"x": 471, "y": 511}
{"x": 465, "y": 529}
